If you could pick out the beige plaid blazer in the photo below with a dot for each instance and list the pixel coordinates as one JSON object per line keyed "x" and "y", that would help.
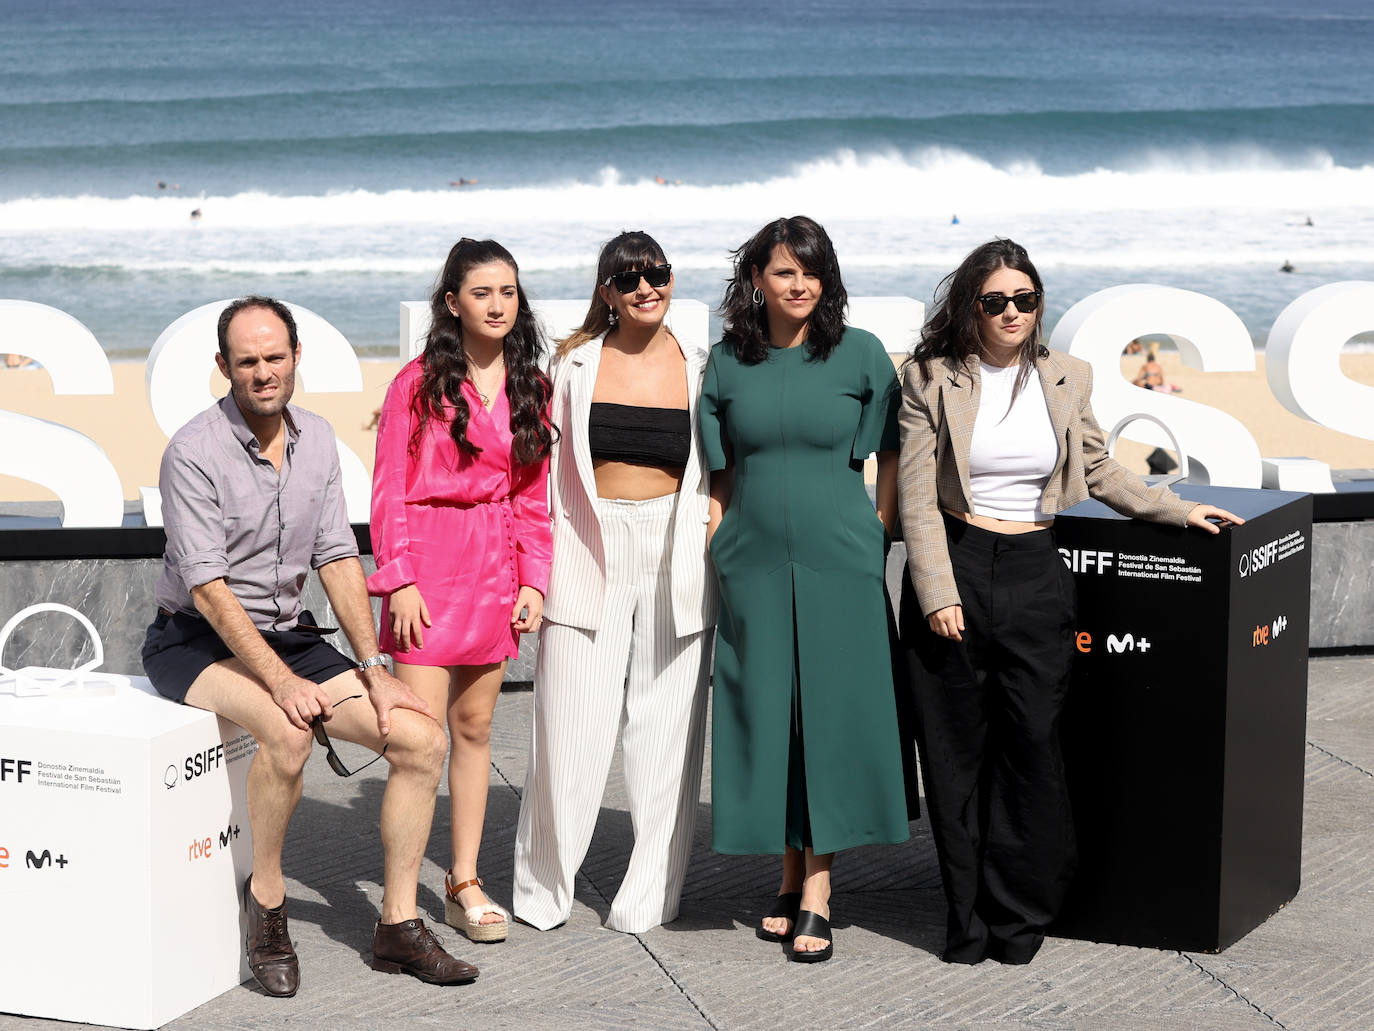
{"x": 936, "y": 422}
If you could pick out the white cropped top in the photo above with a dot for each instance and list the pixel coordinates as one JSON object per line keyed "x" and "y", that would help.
{"x": 1012, "y": 453}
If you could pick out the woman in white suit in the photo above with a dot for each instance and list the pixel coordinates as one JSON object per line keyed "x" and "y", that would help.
{"x": 630, "y": 606}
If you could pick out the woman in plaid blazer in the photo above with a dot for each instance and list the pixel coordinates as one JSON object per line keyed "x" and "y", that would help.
{"x": 997, "y": 435}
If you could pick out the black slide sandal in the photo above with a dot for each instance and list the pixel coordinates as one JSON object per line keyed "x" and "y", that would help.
{"x": 812, "y": 925}
{"x": 786, "y": 906}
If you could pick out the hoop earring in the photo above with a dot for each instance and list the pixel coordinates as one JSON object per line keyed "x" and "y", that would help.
{"x": 757, "y": 296}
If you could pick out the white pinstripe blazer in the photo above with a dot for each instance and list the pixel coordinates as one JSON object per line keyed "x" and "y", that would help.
{"x": 577, "y": 580}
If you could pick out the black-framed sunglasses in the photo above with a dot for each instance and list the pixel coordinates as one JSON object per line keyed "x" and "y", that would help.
{"x": 994, "y": 304}
{"x": 628, "y": 282}
{"x": 331, "y": 756}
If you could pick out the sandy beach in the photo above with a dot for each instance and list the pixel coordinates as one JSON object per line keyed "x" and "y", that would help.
{"x": 1247, "y": 397}
{"x": 123, "y": 425}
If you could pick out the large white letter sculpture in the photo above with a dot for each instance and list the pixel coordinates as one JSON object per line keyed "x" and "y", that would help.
{"x": 178, "y": 374}
{"x": 896, "y": 321}
{"x": 68, "y": 463}
{"x": 1303, "y": 369}
{"x": 1302, "y": 362}
{"x": 1209, "y": 336}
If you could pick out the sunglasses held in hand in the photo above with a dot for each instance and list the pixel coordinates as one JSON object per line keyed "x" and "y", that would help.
{"x": 331, "y": 756}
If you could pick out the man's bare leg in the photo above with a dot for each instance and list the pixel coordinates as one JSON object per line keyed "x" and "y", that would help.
{"x": 416, "y": 753}
{"x": 416, "y": 749}
{"x": 274, "y": 776}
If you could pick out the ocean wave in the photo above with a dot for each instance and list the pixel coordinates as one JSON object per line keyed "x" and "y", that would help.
{"x": 577, "y": 116}
{"x": 702, "y": 255}
{"x": 931, "y": 183}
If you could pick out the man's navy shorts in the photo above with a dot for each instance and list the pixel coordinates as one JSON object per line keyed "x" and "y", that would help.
{"x": 180, "y": 646}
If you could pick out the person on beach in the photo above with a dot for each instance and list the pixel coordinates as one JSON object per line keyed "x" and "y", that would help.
{"x": 1151, "y": 374}
{"x": 252, "y": 501}
{"x": 631, "y": 602}
{"x": 997, "y": 435}
{"x": 807, "y": 757}
{"x": 460, "y": 529}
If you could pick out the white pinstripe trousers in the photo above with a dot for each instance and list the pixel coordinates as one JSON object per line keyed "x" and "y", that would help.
{"x": 635, "y": 675}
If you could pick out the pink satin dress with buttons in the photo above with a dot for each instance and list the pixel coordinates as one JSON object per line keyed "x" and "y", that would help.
{"x": 468, "y": 532}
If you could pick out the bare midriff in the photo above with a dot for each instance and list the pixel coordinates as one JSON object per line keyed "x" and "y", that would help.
{"x": 1000, "y": 525}
{"x": 629, "y": 482}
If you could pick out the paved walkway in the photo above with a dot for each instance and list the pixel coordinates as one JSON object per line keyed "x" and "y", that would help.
{"x": 1309, "y": 968}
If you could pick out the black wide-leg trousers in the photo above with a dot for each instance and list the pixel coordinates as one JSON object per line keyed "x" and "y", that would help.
{"x": 988, "y": 711}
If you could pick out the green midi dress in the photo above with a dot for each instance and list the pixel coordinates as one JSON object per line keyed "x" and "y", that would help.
{"x": 805, "y": 745}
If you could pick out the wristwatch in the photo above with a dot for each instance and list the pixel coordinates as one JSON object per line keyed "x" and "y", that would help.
{"x": 367, "y": 664}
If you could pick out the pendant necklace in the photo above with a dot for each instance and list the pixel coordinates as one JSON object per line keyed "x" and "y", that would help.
{"x": 499, "y": 365}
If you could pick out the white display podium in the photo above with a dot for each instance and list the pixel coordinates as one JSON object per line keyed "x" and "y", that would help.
{"x": 124, "y": 843}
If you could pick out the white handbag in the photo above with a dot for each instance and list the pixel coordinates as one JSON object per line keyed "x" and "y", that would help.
{"x": 38, "y": 681}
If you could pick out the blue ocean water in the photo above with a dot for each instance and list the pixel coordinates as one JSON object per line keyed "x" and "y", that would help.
{"x": 1179, "y": 143}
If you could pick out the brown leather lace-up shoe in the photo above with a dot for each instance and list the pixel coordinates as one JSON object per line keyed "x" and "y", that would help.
{"x": 271, "y": 955}
{"x": 412, "y": 948}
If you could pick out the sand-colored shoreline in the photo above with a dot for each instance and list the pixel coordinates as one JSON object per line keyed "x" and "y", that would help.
{"x": 122, "y": 423}
{"x": 1247, "y": 397}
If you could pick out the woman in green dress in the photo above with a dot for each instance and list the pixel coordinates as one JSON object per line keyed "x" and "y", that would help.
{"x": 807, "y": 757}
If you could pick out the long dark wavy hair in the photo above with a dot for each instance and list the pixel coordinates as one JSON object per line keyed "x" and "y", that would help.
{"x": 446, "y": 366}
{"x": 951, "y": 332}
{"x": 632, "y": 249}
{"x": 746, "y": 323}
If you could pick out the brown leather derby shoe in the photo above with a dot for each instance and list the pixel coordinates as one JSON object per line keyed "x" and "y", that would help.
{"x": 412, "y": 948}
{"x": 271, "y": 956}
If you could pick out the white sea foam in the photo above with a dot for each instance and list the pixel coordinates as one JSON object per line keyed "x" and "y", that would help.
{"x": 929, "y": 183}
{"x": 1203, "y": 208}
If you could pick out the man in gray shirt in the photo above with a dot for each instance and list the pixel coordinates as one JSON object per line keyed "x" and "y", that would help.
{"x": 252, "y": 500}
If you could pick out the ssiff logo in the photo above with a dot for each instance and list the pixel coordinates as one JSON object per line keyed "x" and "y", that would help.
{"x": 14, "y": 769}
{"x": 204, "y": 761}
{"x": 1267, "y": 632}
{"x": 1255, "y": 559}
{"x": 1081, "y": 561}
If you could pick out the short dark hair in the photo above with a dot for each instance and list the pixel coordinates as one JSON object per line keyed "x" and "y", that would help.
{"x": 746, "y": 324}
{"x": 273, "y": 305}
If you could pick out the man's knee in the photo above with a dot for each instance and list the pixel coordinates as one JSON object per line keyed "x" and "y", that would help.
{"x": 416, "y": 742}
{"x": 285, "y": 749}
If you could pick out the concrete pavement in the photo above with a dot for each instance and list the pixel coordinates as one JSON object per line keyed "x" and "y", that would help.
{"x": 1309, "y": 968}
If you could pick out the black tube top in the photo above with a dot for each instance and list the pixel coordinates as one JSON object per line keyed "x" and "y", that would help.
{"x": 639, "y": 435}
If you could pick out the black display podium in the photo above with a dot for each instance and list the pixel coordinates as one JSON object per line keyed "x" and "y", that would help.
{"x": 1183, "y": 734}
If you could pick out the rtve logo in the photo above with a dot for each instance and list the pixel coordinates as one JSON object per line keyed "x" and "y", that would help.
{"x": 15, "y": 769}
{"x": 1267, "y": 632}
{"x": 1255, "y": 559}
{"x": 204, "y": 848}
{"x": 1115, "y": 645}
{"x": 1081, "y": 561}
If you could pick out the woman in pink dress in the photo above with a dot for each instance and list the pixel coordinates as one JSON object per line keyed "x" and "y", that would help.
{"x": 460, "y": 528}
